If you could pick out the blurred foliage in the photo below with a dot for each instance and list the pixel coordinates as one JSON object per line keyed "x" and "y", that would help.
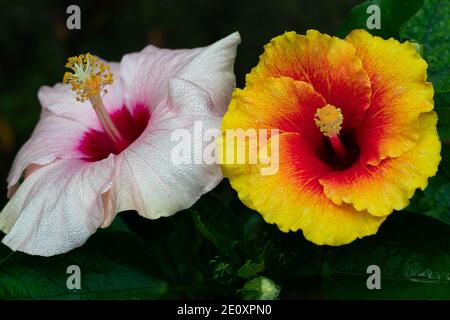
{"x": 114, "y": 265}
{"x": 393, "y": 15}
{"x": 218, "y": 248}
{"x": 430, "y": 27}
{"x": 413, "y": 253}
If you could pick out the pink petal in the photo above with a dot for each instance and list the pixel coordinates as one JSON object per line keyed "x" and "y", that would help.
{"x": 57, "y": 208}
{"x": 213, "y": 71}
{"x": 63, "y": 123}
{"x": 147, "y": 180}
{"x": 146, "y": 74}
{"x": 53, "y": 138}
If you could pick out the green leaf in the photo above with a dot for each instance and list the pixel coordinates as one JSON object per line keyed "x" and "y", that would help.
{"x": 435, "y": 200}
{"x": 259, "y": 288}
{"x": 393, "y": 14}
{"x": 444, "y": 122}
{"x": 413, "y": 253}
{"x": 431, "y": 27}
{"x": 444, "y": 167}
{"x": 217, "y": 223}
{"x": 114, "y": 265}
{"x": 442, "y": 107}
{"x": 250, "y": 269}
{"x": 442, "y": 99}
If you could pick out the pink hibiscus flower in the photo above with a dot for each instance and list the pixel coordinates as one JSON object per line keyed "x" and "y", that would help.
{"x": 103, "y": 144}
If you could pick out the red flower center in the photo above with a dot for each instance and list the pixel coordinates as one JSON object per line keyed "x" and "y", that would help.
{"x": 339, "y": 146}
{"x": 96, "y": 145}
{"x": 331, "y": 155}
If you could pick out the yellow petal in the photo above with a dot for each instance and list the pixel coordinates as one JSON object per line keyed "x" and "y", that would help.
{"x": 293, "y": 199}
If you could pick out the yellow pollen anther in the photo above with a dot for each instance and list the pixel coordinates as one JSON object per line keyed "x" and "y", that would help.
{"x": 329, "y": 120}
{"x": 89, "y": 76}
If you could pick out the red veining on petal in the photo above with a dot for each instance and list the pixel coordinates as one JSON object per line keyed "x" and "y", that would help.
{"x": 96, "y": 145}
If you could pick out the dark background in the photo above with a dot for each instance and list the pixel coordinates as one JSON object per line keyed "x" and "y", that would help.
{"x": 35, "y": 42}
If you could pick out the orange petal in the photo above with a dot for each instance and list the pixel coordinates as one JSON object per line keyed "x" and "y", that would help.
{"x": 329, "y": 64}
{"x": 273, "y": 103}
{"x": 400, "y": 94}
{"x": 278, "y": 103}
{"x": 389, "y": 185}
